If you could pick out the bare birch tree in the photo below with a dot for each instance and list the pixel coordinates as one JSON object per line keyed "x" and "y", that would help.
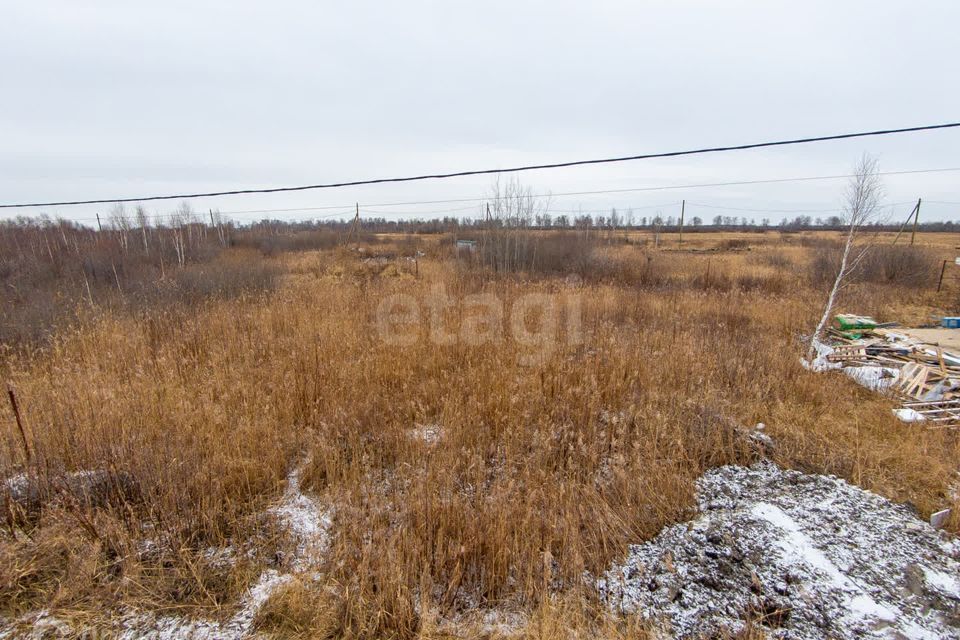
{"x": 862, "y": 201}
{"x": 507, "y": 244}
{"x": 121, "y": 222}
{"x": 143, "y": 221}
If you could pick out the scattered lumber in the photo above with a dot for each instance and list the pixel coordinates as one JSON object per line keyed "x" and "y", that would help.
{"x": 928, "y": 379}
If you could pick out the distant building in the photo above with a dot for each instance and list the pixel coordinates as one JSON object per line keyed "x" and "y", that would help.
{"x": 467, "y": 245}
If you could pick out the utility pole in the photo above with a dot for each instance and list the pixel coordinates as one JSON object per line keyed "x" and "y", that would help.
{"x": 916, "y": 219}
{"x": 683, "y": 206}
{"x": 356, "y": 221}
{"x": 99, "y": 226}
{"x": 915, "y": 214}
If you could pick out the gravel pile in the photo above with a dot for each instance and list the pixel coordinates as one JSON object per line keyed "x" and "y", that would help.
{"x": 802, "y": 556}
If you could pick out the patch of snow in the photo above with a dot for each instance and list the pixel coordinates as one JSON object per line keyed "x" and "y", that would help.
{"x": 944, "y": 582}
{"x": 484, "y": 623}
{"x": 220, "y": 557}
{"x": 429, "y": 434}
{"x": 143, "y": 627}
{"x": 503, "y": 623}
{"x": 36, "y": 626}
{"x": 304, "y": 519}
{"x": 806, "y": 556}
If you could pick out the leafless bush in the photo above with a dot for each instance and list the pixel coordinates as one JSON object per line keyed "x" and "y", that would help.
{"x": 50, "y": 270}
{"x": 911, "y": 266}
{"x": 824, "y": 262}
{"x": 235, "y": 273}
{"x": 507, "y": 243}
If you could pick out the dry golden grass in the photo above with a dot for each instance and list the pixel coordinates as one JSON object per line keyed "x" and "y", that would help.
{"x": 541, "y": 471}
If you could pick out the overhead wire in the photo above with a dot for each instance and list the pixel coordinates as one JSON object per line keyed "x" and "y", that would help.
{"x": 347, "y": 209}
{"x": 475, "y": 172}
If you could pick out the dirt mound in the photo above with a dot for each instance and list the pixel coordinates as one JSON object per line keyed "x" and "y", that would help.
{"x": 804, "y": 556}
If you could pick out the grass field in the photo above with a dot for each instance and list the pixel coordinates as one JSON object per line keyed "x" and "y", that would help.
{"x": 479, "y": 440}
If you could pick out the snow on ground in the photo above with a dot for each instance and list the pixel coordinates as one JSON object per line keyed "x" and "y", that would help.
{"x": 807, "y": 556}
{"x": 429, "y": 434}
{"x": 140, "y": 627}
{"x": 299, "y": 514}
{"x": 305, "y": 521}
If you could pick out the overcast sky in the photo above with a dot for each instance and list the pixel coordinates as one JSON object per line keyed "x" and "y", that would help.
{"x": 125, "y": 99}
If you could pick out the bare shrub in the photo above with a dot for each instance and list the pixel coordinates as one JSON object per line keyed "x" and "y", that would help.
{"x": 50, "y": 269}
{"x": 562, "y": 252}
{"x": 233, "y": 274}
{"x": 824, "y": 262}
{"x": 912, "y": 266}
{"x": 915, "y": 266}
{"x": 506, "y": 244}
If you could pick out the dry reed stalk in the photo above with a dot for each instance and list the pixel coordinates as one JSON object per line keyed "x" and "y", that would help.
{"x": 539, "y": 473}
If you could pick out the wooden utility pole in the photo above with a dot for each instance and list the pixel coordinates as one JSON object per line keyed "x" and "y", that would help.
{"x": 683, "y": 206}
{"x": 356, "y": 222}
{"x": 16, "y": 414}
{"x": 915, "y": 214}
{"x": 99, "y": 226}
{"x": 943, "y": 268}
{"x": 916, "y": 219}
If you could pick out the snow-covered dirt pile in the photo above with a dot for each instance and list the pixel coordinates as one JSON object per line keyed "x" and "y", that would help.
{"x": 804, "y": 556}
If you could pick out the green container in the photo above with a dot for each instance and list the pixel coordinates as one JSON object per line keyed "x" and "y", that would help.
{"x": 848, "y": 322}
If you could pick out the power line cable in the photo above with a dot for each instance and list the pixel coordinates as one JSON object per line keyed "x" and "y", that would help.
{"x": 349, "y": 208}
{"x": 476, "y": 172}
{"x": 833, "y": 210}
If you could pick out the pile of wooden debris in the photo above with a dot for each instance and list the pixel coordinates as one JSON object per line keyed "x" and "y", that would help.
{"x": 924, "y": 376}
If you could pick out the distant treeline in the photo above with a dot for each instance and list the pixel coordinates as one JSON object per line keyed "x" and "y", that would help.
{"x": 228, "y": 232}
{"x": 595, "y": 223}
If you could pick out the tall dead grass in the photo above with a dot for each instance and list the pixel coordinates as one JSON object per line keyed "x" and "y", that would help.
{"x": 541, "y": 473}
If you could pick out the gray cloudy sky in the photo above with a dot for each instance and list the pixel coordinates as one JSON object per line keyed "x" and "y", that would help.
{"x": 122, "y": 99}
